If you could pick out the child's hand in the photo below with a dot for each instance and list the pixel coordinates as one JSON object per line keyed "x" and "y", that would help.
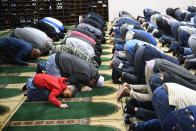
{"x": 64, "y": 106}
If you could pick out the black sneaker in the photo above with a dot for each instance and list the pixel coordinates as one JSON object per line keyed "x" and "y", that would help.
{"x": 180, "y": 51}
{"x": 188, "y": 66}
{"x": 132, "y": 126}
{"x": 171, "y": 48}
{"x": 127, "y": 119}
{"x": 181, "y": 59}
{"x": 24, "y": 87}
{"x": 116, "y": 74}
{"x": 130, "y": 106}
{"x": 176, "y": 50}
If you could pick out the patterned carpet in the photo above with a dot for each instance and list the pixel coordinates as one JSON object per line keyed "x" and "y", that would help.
{"x": 97, "y": 110}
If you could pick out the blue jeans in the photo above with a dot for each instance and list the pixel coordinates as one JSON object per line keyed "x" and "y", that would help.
{"x": 183, "y": 37}
{"x": 119, "y": 47}
{"x": 174, "y": 29}
{"x": 41, "y": 66}
{"x": 178, "y": 13}
{"x": 35, "y": 93}
{"x": 161, "y": 103}
{"x": 162, "y": 108}
{"x": 180, "y": 120}
{"x": 117, "y": 33}
{"x": 151, "y": 125}
{"x": 51, "y": 67}
{"x": 187, "y": 51}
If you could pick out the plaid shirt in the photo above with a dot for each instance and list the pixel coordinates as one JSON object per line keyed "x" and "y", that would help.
{"x": 76, "y": 52}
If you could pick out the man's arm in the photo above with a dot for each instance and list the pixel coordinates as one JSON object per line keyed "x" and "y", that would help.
{"x": 78, "y": 79}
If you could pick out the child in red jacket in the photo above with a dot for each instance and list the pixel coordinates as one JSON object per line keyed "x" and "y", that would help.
{"x": 47, "y": 87}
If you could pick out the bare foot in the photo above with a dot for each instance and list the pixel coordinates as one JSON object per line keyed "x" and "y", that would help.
{"x": 127, "y": 85}
{"x": 124, "y": 91}
{"x": 111, "y": 64}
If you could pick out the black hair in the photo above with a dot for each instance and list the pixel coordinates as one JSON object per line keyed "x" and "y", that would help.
{"x": 45, "y": 52}
{"x": 61, "y": 35}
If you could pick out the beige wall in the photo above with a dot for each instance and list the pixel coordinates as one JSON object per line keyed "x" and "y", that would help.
{"x": 135, "y": 7}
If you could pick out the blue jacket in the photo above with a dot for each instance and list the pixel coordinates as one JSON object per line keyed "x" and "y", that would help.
{"x": 18, "y": 49}
{"x": 127, "y": 20}
{"x": 131, "y": 46}
{"x": 148, "y": 35}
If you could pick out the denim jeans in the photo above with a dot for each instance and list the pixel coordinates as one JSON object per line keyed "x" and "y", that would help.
{"x": 170, "y": 119}
{"x": 162, "y": 108}
{"x": 35, "y": 93}
{"x": 51, "y": 67}
{"x": 129, "y": 78}
{"x": 187, "y": 51}
{"x": 117, "y": 33}
{"x": 41, "y": 66}
{"x": 178, "y": 14}
{"x": 183, "y": 37}
{"x": 191, "y": 9}
{"x": 119, "y": 47}
{"x": 161, "y": 103}
{"x": 180, "y": 120}
{"x": 151, "y": 125}
{"x": 174, "y": 29}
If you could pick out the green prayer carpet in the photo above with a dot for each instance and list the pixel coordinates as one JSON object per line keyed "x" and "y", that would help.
{"x": 17, "y": 69}
{"x": 6, "y": 34}
{"x": 4, "y": 109}
{"x": 105, "y": 59}
{"x": 60, "y": 128}
{"x": 106, "y": 47}
{"x": 7, "y": 92}
{"x": 96, "y": 92}
{"x": 13, "y": 79}
{"x": 106, "y": 77}
{"x": 107, "y": 38}
{"x": 76, "y": 110}
{"x": 106, "y": 53}
{"x": 104, "y": 67}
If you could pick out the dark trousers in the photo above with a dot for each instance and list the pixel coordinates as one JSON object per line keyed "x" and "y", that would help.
{"x": 145, "y": 110}
{"x": 35, "y": 93}
{"x": 129, "y": 78}
{"x": 181, "y": 120}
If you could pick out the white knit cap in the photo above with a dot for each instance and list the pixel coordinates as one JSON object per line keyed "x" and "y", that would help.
{"x": 100, "y": 81}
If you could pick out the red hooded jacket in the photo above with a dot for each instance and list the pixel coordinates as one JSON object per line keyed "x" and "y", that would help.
{"x": 56, "y": 85}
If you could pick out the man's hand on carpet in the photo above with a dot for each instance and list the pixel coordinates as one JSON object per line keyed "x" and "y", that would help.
{"x": 86, "y": 88}
{"x": 32, "y": 64}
